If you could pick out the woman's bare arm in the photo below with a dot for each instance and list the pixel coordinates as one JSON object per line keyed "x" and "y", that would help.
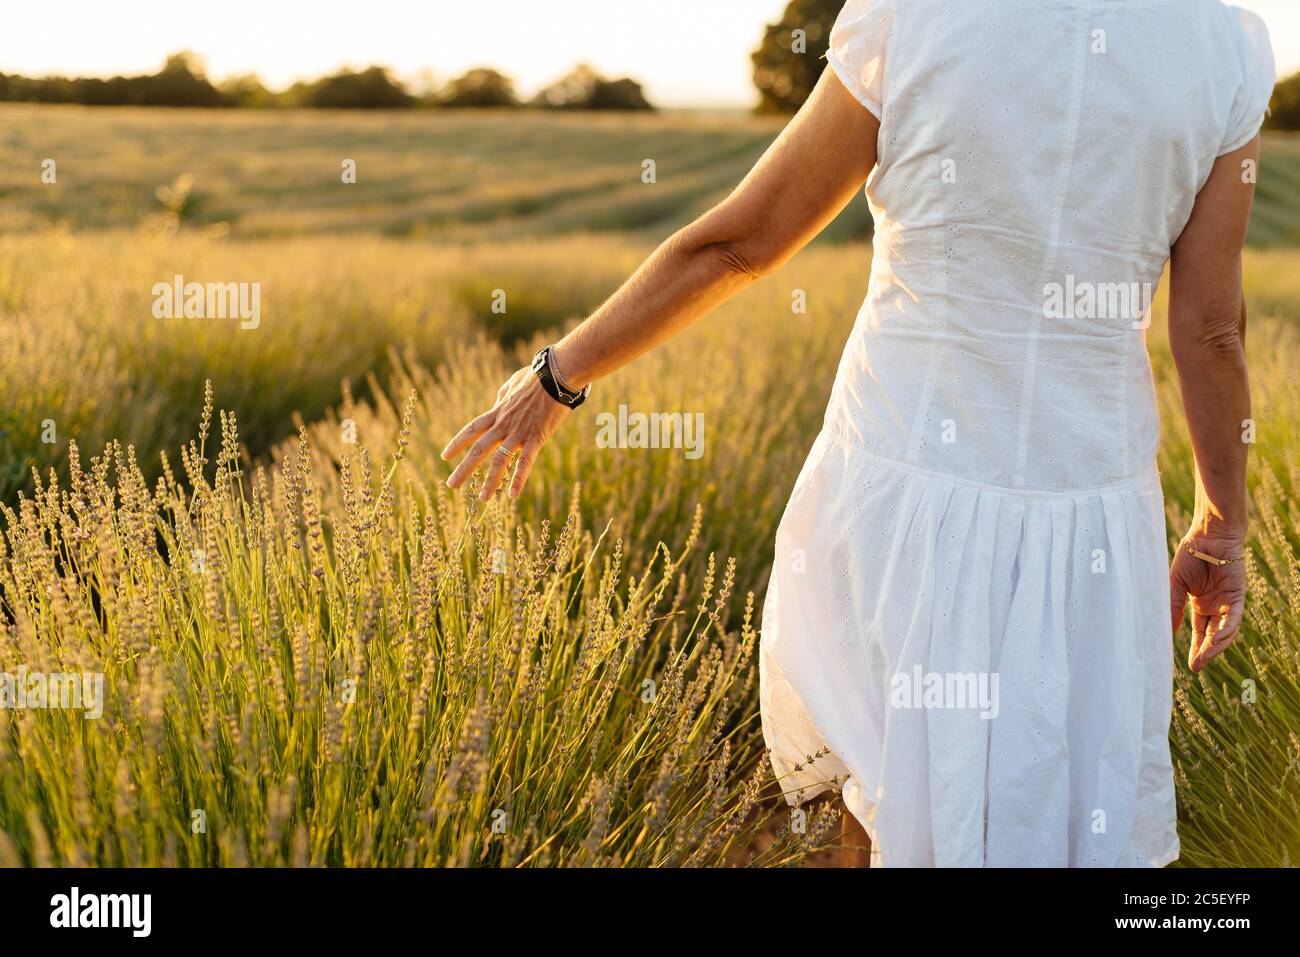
{"x": 1207, "y": 328}
{"x": 801, "y": 183}
{"x": 806, "y": 177}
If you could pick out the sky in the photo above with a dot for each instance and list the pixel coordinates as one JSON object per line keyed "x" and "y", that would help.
{"x": 686, "y": 53}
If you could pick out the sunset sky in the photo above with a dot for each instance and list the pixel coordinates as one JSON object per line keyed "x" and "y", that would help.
{"x": 685, "y": 52}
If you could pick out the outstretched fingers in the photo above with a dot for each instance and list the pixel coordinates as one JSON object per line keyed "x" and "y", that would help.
{"x": 497, "y": 468}
{"x": 479, "y": 451}
{"x": 523, "y": 467}
{"x": 520, "y": 422}
{"x": 465, "y": 436}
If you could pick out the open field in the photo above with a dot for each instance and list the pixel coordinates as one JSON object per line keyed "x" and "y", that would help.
{"x": 305, "y": 637}
{"x": 446, "y": 175}
{"x": 1275, "y": 221}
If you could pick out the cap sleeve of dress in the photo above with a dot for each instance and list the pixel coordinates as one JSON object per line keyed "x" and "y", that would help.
{"x": 1258, "y": 74}
{"x": 857, "y": 50}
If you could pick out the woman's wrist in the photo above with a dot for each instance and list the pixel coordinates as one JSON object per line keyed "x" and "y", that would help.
{"x": 568, "y": 376}
{"x": 1216, "y": 536}
{"x": 1224, "y": 520}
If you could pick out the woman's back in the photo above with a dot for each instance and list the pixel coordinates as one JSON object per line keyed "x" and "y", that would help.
{"x": 1037, "y": 160}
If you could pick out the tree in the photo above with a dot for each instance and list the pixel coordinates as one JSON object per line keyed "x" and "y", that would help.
{"x": 181, "y": 82}
{"x": 785, "y": 77}
{"x": 481, "y": 87}
{"x": 1285, "y": 106}
{"x": 246, "y": 91}
{"x": 623, "y": 94}
{"x": 185, "y": 61}
{"x": 373, "y": 88}
{"x": 585, "y": 89}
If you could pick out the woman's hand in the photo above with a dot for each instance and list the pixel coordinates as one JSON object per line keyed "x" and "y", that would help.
{"x": 1217, "y": 595}
{"x": 1207, "y": 330}
{"x": 523, "y": 420}
{"x": 810, "y": 172}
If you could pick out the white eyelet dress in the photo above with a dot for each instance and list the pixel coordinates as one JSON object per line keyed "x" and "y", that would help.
{"x": 967, "y": 625}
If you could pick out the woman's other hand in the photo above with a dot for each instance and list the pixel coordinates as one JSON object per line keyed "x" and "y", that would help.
{"x": 1216, "y": 593}
{"x": 1207, "y": 332}
{"x": 523, "y": 420}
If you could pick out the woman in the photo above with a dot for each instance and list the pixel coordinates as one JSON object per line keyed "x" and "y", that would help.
{"x": 965, "y": 630}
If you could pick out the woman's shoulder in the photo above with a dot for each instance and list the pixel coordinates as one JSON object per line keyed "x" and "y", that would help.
{"x": 1252, "y": 72}
{"x": 1234, "y": 23}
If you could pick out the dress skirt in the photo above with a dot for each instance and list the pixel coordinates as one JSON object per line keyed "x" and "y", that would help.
{"x": 985, "y": 674}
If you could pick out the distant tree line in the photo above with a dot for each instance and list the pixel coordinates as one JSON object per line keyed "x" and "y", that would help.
{"x": 183, "y": 82}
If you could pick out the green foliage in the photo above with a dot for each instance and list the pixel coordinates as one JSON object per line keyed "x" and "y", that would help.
{"x": 1284, "y": 106}
{"x": 785, "y": 78}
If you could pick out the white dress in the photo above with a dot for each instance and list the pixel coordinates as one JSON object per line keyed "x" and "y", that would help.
{"x": 967, "y": 625}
